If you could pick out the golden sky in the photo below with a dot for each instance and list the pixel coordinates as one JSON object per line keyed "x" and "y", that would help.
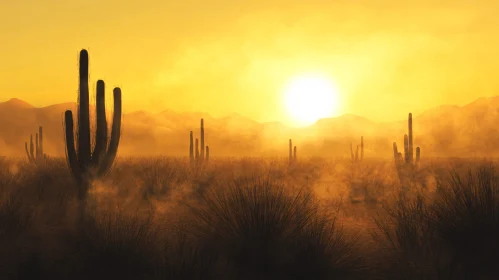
{"x": 388, "y": 57}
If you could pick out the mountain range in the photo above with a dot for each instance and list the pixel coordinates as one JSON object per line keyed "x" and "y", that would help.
{"x": 469, "y": 130}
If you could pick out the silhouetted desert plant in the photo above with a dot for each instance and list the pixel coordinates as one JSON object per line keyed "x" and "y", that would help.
{"x": 409, "y": 249}
{"x": 35, "y": 153}
{"x": 197, "y": 156}
{"x": 264, "y": 231}
{"x": 465, "y": 217}
{"x": 292, "y": 152}
{"x": 406, "y": 164}
{"x": 85, "y": 164}
{"x": 355, "y": 158}
{"x": 452, "y": 234}
{"x": 113, "y": 245}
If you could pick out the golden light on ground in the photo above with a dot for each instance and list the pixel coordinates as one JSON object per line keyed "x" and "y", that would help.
{"x": 308, "y": 98}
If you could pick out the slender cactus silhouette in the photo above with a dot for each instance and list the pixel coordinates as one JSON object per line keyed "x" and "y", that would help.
{"x": 406, "y": 162}
{"x": 198, "y": 151}
{"x": 355, "y": 157}
{"x": 35, "y": 153}
{"x": 291, "y": 152}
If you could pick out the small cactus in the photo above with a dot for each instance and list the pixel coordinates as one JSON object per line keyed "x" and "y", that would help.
{"x": 198, "y": 154}
{"x": 35, "y": 153}
{"x": 407, "y": 160}
{"x": 197, "y": 150}
{"x": 292, "y": 152}
{"x": 85, "y": 164}
{"x": 355, "y": 157}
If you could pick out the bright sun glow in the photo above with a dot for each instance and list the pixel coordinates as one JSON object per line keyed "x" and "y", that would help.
{"x": 309, "y": 98}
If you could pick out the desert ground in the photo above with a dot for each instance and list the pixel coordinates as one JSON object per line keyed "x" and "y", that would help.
{"x": 251, "y": 218}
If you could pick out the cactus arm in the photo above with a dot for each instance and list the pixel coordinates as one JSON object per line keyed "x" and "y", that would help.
{"x": 115, "y": 134}
{"x": 27, "y": 152}
{"x": 83, "y": 114}
{"x": 74, "y": 165}
{"x": 207, "y": 153}
{"x": 290, "y": 150}
{"x": 101, "y": 131}
{"x": 294, "y": 153}
{"x": 397, "y": 156}
{"x": 31, "y": 147}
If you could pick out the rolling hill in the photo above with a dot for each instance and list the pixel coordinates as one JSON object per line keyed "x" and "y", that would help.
{"x": 469, "y": 130}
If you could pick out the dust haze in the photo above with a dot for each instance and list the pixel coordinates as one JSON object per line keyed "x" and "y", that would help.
{"x": 153, "y": 141}
{"x": 444, "y": 131}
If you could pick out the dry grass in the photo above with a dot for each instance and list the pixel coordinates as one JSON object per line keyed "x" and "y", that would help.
{"x": 251, "y": 218}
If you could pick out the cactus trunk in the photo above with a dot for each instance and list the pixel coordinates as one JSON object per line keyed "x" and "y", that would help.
{"x": 202, "y": 140}
{"x": 395, "y": 152}
{"x": 83, "y": 115}
{"x": 31, "y": 147}
{"x": 197, "y": 150}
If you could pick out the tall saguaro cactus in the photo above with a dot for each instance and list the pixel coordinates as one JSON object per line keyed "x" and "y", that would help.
{"x": 408, "y": 158}
{"x": 35, "y": 154}
{"x": 85, "y": 164}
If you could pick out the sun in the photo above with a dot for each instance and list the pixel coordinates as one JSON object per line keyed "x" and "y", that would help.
{"x": 309, "y": 98}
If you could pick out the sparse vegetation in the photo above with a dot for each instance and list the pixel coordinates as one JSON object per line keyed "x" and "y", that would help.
{"x": 257, "y": 219}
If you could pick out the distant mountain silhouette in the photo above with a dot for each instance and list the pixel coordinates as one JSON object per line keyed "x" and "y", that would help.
{"x": 470, "y": 130}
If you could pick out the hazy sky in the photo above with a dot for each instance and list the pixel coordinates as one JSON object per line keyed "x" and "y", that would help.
{"x": 388, "y": 57}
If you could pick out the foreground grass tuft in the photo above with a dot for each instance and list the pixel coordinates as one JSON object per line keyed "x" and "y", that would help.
{"x": 262, "y": 230}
